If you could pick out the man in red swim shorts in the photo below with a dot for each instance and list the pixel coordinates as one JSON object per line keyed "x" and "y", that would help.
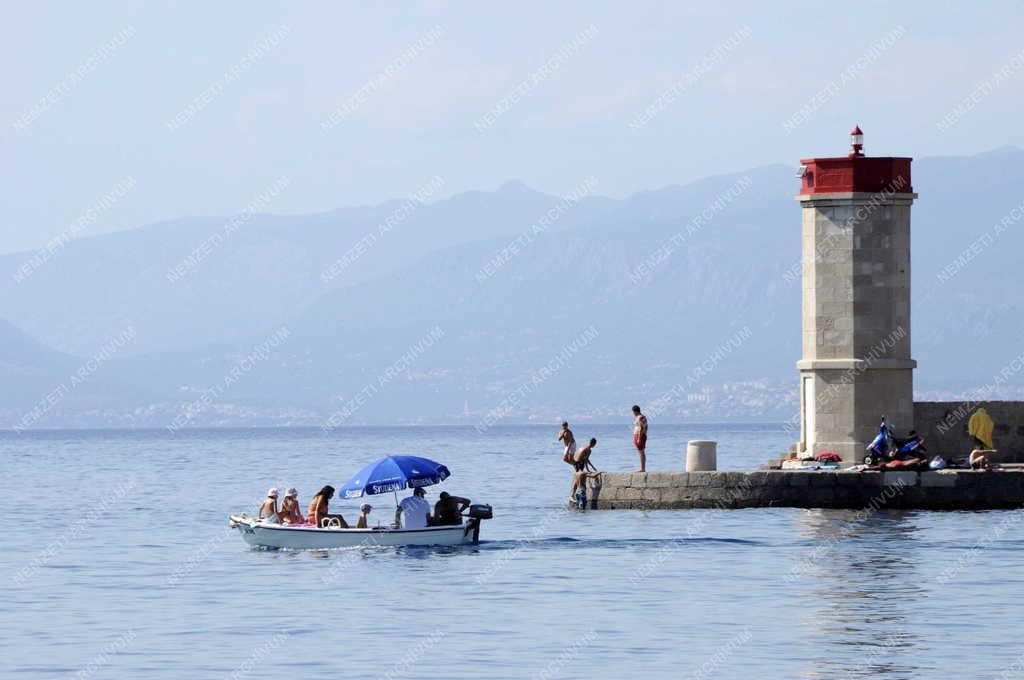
{"x": 640, "y": 437}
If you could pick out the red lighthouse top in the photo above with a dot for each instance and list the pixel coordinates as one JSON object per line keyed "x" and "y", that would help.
{"x": 855, "y": 173}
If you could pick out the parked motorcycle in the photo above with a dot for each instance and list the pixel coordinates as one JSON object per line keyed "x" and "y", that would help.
{"x": 885, "y": 442}
{"x": 881, "y": 445}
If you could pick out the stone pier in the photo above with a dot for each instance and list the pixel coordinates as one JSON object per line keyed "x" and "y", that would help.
{"x": 932, "y": 490}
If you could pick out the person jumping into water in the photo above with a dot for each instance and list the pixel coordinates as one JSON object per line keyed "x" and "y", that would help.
{"x": 640, "y": 437}
{"x": 566, "y": 437}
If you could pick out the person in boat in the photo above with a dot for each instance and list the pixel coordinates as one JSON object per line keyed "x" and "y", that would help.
{"x": 268, "y": 508}
{"x": 415, "y": 510}
{"x": 290, "y": 512}
{"x": 448, "y": 510}
{"x": 319, "y": 512}
{"x": 364, "y": 512}
{"x": 567, "y": 438}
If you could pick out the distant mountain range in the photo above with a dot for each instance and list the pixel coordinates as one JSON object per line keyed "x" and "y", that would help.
{"x": 489, "y": 306}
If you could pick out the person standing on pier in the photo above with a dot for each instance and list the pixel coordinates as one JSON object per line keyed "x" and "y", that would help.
{"x": 640, "y": 437}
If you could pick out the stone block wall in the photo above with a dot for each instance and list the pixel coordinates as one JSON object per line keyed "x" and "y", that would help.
{"x": 940, "y": 490}
{"x": 944, "y": 426}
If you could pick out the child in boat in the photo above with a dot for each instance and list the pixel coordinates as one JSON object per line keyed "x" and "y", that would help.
{"x": 268, "y": 508}
{"x": 289, "y": 512}
{"x": 318, "y": 509}
{"x": 364, "y": 511}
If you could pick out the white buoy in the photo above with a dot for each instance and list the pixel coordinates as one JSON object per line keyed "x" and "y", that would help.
{"x": 701, "y": 456}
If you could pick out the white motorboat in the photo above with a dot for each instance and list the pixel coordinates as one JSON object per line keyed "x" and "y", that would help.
{"x": 387, "y": 475}
{"x": 257, "y": 532}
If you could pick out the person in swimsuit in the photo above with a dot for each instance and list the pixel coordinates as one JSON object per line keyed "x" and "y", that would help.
{"x": 640, "y": 437}
{"x": 290, "y": 513}
{"x": 268, "y": 508}
{"x": 565, "y": 436}
{"x": 318, "y": 512}
{"x": 980, "y": 459}
{"x": 581, "y": 464}
{"x": 581, "y": 461}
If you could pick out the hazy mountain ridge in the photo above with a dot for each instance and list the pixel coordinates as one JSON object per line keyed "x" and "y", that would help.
{"x": 195, "y": 281}
{"x": 708, "y": 315}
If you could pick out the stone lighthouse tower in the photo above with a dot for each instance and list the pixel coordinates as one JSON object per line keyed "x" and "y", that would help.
{"x": 856, "y": 364}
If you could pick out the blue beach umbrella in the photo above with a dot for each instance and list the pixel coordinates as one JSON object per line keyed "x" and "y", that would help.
{"x": 394, "y": 473}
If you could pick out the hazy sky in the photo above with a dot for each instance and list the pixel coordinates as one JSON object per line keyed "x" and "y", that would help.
{"x": 198, "y": 108}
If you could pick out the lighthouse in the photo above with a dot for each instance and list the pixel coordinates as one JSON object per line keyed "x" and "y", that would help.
{"x": 856, "y": 365}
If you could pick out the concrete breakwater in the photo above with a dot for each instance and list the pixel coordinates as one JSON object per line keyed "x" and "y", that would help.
{"x": 932, "y": 490}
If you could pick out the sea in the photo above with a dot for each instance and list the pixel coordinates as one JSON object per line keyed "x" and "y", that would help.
{"x": 119, "y": 563}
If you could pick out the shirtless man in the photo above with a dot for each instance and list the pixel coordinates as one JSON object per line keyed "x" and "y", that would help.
{"x": 448, "y": 510}
{"x": 565, "y": 436}
{"x": 581, "y": 463}
{"x": 640, "y": 437}
{"x": 980, "y": 459}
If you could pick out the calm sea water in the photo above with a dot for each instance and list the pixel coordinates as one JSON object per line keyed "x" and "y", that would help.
{"x": 120, "y": 564}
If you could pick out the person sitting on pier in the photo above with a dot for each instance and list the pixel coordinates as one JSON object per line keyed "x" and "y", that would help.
{"x": 268, "y": 508}
{"x": 979, "y": 459}
{"x": 318, "y": 513}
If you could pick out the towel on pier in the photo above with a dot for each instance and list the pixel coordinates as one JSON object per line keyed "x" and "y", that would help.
{"x": 980, "y": 426}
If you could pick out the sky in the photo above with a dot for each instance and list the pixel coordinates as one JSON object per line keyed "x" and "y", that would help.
{"x": 120, "y": 114}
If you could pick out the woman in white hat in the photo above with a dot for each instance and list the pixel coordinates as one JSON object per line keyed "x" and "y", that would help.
{"x": 268, "y": 508}
{"x": 290, "y": 513}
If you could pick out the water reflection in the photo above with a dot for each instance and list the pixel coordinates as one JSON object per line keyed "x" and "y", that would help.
{"x": 863, "y": 570}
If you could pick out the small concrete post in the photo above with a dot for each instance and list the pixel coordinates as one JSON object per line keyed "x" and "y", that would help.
{"x": 701, "y": 456}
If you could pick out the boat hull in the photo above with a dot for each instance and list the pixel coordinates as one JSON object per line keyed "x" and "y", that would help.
{"x": 267, "y": 535}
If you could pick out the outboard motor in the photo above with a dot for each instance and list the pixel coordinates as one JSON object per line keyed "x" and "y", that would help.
{"x": 880, "y": 446}
{"x": 481, "y": 511}
{"x": 477, "y": 513}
